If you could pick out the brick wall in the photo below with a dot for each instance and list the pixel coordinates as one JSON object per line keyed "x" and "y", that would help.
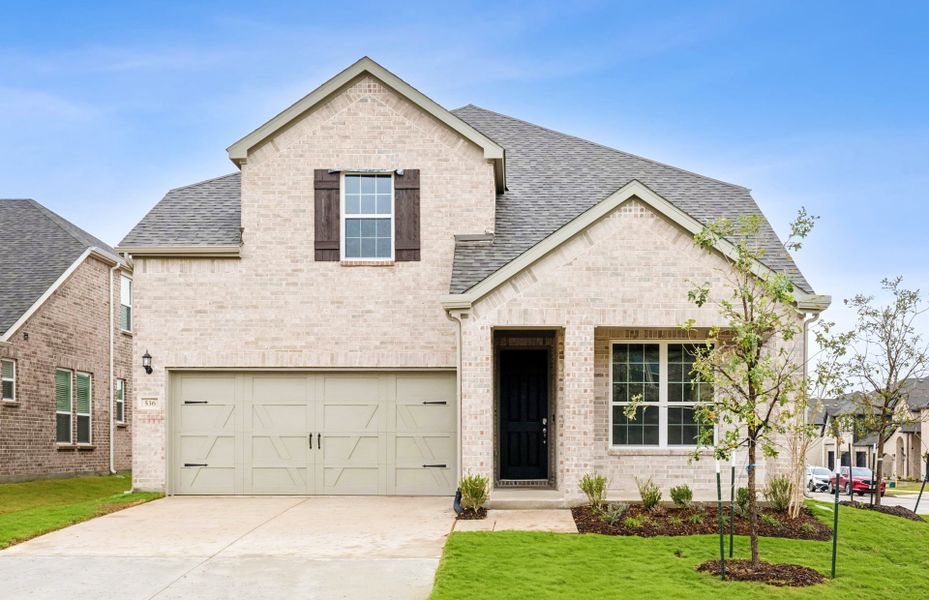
{"x": 629, "y": 271}
{"x": 69, "y": 331}
{"x": 276, "y": 307}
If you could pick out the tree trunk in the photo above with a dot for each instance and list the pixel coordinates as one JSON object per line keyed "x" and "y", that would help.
{"x": 878, "y": 468}
{"x": 752, "y": 503}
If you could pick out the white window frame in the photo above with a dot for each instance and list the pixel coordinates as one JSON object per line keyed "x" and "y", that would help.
{"x": 343, "y": 217}
{"x": 10, "y": 379}
{"x": 123, "y": 279}
{"x": 662, "y": 404}
{"x": 70, "y": 411}
{"x": 90, "y": 406}
{"x": 120, "y": 387}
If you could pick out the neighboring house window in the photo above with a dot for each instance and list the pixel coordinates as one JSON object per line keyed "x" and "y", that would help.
{"x": 63, "y": 406}
{"x": 84, "y": 395}
{"x": 120, "y": 400}
{"x": 367, "y": 222}
{"x": 660, "y": 374}
{"x": 8, "y": 380}
{"x": 125, "y": 303}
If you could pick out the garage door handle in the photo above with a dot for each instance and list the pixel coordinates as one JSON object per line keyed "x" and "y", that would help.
{"x": 196, "y": 465}
{"x": 309, "y": 441}
{"x": 442, "y": 466}
{"x": 195, "y": 402}
{"x": 435, "y": 402}
{"x": 319, "y": 441}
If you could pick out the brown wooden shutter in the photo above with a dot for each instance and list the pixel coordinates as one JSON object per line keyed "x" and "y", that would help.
{"x": 406, "y": 215}
{"x": 326, "y": 216}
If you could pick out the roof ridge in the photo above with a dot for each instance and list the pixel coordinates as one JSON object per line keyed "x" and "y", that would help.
{"x": 605, "y": 147}
{"x": 189, "y": 185}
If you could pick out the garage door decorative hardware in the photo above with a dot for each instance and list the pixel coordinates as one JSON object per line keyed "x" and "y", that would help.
{"x": 442, "y": 466}
{"x": 196, "y": 465}
{"x": 442, "y": 402}
{"x": 319, "y": 441}
{"x": 309, "y": 441}
{"x": 195, "y": 402}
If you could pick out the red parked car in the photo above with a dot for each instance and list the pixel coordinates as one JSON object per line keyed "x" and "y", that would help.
{"x": 862, "y": 482}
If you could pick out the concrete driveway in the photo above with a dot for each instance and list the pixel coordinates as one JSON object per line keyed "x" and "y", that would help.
{"x": 239, "y": 547}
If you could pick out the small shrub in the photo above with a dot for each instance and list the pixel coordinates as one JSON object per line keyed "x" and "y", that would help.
{"x": 741, "y": 502}
{"x": 807, "y": 528}
{"x": 634, "y": 522}
{"x": 473, "y": 491}
{"x": 777, "y": 492}
{"x": 682, "y": 496}
{"x": 594, "y": 487}
{"x": 649, "y": 493}
{"x": 613, "y": 513}
{"x": 771, "y": 521}
{"x": 695, "y": 518}
{"x": 675, "y": 520}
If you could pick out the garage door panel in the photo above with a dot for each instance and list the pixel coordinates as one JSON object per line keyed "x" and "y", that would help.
{"x": 279, "y": 480}
{"x": 418, "y": 481}
{"x": 207, "y": 480}
{"x": 412, "y": 449}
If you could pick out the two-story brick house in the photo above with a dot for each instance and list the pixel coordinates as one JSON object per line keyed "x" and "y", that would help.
{"x": 388, "y": 294}
{"x": 65, "y": 348}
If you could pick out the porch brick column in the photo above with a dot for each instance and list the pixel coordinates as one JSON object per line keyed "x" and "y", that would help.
{"x": 477, "y": 450}
{"x": 576, "y": 426}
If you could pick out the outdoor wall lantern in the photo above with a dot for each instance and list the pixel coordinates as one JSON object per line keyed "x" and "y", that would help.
{"x": 147, "y": 362}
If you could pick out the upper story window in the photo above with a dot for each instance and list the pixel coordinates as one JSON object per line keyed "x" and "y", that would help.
{"x": 660, "y": 373}
{"x": 8, "y": 380}
{"x": 367, "y": 217}
{"x": 125, "y": 303}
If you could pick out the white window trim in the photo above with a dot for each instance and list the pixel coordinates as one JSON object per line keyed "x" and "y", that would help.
{"x": 117, "y": 401}
{"x": 662, "y": 404}
{"x": 12, "y": 379}
{"x": 90, "y": 407}
{"x": 123, "y": 277}
{"x": 70, "y": 411}
{"x": 343, "y": 216}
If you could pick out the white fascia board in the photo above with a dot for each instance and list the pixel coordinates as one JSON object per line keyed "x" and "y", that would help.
{"x": 182, "y": 251}
{"x": 238, "y": 151}
{"x": 92, "y": 251}
{"x": 632, "y": 189}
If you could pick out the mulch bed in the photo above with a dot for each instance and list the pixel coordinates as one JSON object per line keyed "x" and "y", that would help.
{"x": 470, "y": 514}
{"x": 676, "y": 521}
{"x": 785, "y": 575}
{"x": 897, "y": 511}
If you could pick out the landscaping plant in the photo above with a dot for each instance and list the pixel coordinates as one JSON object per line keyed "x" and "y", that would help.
{"x": 473, "y": 491}
{"x": 778, "y": 492}
{"x": 613, "y": 513}
{"x": 682, "y": 496}
{"x": 741, "y": 502}
{"x": 594, "y": 487}
{"x": 649, "y": 493}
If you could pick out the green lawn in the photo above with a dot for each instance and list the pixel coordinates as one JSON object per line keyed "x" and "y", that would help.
{"x": 32, "y": 508}
{"x": 880, "y": 556}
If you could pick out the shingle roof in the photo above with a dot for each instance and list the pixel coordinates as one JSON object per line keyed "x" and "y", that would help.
{"x": 38, "y": 246}
{"x": 553, "y": 177}
{"x": 201, "y": 214}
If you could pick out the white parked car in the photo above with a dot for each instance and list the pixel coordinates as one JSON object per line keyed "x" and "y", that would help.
{"x": 817, "y": 478}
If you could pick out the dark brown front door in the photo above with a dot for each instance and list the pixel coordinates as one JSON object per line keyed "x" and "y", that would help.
{"x": 524, "y": 414}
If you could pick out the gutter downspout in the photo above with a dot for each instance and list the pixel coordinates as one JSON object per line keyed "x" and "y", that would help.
{"x": 457, "y": 320}
{"x": 112, "y": 305}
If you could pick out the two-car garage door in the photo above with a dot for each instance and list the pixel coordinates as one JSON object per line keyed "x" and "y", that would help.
{"x": 312, "y": 433}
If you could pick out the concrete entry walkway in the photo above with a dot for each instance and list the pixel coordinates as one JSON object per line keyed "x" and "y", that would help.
{"x": 239, "y": 547}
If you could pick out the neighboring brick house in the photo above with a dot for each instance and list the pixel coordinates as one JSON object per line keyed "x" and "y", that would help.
{"x": 65, "y": 308}
{"x": 905, "y": 447}
{"x": 389, "y": 294}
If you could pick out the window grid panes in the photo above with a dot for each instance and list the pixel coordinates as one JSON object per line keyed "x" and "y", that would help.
{"x": 121, "y": 400}
{"x": 84, "y": 395}
{"x": 63, "y": 406}
{"x": 8, "y": 380}
{"x": 368, "y": 218}
{"x": 636, "y": 372}
{"x": 661, "y": 374}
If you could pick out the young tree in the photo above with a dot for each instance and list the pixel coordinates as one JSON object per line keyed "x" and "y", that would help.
{"x": 887, "y": 355}
{"x": 754, "y": 362}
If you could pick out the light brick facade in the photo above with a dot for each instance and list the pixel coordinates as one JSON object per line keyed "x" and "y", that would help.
{"x": 275, "y": 307}
{"x": 69, "y": 331}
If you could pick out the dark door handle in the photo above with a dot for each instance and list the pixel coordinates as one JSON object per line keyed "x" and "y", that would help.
{"x": 442, "y": 466}
{"x": 309, "y": 441}
{"x": 196, "y": 465}
{"x": 195, "y": 402}
{"x": 442, "y": 402}
{"x": 319, "y": 441}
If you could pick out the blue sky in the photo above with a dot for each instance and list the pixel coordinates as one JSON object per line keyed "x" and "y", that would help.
{"x": 105, "y": 106}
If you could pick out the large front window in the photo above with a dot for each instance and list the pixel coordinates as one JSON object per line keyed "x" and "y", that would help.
{"x": 367, "y": 222}
{"x": 657, "y": 376}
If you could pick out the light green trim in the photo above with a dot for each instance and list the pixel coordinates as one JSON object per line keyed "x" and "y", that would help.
{"x": 182, "y": 251}
{"x": 633, "y": 189}
{"x": 238, "y": 152}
